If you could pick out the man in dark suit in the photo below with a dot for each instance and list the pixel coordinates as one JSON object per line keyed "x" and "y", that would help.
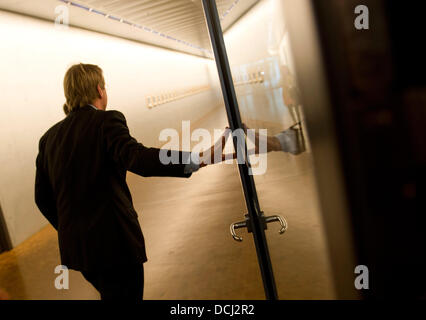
{"x": 80, "y": 186}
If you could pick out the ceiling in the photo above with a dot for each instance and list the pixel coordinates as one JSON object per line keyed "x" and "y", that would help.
{"x": 173, "y": 24}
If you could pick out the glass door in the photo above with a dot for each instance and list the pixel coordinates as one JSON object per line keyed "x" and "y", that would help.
{"x": 262, "y": 100}
{"x": 254, "y": 220}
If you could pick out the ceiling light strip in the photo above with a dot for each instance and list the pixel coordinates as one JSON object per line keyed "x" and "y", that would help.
{"x": 118, "y": 19}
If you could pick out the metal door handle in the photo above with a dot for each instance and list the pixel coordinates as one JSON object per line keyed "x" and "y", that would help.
{"x": 281, "y": 220}
{"x": 237, "y": 225}
{"x": 265, "y": 220}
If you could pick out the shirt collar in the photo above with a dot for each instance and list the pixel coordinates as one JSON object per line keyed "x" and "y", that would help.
{"x": 93, "y": 106}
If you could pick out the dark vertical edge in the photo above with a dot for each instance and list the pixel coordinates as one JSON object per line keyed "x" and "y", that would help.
{"x": 231, "y": 104}
{"x": 5, "y": 242}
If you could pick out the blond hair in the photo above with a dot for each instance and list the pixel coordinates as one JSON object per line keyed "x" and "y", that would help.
{"x": 80, "y": 85}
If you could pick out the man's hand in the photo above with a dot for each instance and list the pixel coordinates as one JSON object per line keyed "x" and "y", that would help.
{"x": 208, "y": 157}
{"x": 272, "y": 143}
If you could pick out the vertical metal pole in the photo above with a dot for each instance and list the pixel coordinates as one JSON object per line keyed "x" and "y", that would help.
{"x": 231, "y": 104}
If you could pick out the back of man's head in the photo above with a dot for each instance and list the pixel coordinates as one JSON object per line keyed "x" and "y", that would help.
{"x": 80, "y": 85}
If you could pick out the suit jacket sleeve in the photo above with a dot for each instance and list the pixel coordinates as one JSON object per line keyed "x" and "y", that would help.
{"x": 43, "y": 191}
{"x": 134, "y": 156}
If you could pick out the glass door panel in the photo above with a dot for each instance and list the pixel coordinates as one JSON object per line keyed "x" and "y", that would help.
{"x": 265, "y": 82}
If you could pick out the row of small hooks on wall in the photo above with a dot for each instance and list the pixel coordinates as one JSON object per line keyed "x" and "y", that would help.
{"x": 251, "y": 78}
{"x": 156, "y": 100}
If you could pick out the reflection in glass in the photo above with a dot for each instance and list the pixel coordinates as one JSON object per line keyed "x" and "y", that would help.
{"x": 259, "y": 45}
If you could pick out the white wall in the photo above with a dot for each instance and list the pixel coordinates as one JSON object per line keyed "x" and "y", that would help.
{"x": 34, "y": 56}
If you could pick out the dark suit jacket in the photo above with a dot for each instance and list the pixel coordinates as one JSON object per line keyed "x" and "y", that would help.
{"x": 80, "y": 187}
